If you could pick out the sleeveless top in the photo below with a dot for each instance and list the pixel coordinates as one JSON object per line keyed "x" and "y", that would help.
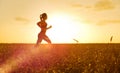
{"x": 43, "y": 26}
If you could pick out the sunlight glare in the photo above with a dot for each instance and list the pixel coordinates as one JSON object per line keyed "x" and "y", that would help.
{"x": 64, "y": 28}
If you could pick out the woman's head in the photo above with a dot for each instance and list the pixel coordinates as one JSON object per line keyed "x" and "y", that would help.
{"x": 43, "y": 16}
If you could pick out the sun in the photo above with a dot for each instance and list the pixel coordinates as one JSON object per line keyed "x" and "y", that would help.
{"x": 64, "y": 29}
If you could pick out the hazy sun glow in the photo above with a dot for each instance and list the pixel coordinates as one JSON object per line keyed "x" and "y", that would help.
{"x": 64, "y": 29}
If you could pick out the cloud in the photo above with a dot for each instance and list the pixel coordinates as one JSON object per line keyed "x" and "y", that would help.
{"x": 104, "y": 5}
{"x": 22, "y": 19}
{"x": 88, "y": 6}
{"x": 105, "y": 22}
{"x": 77, "y": 5}
{"x": 87, "y": 21}
{"x": 80, "y": 6}
{"x": 52, "y": 0}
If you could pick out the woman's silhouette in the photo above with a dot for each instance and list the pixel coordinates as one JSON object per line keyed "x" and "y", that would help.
{"x": 43, "y": 25}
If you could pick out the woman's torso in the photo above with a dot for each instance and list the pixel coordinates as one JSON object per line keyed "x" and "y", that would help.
{"x": 43, "y": 26}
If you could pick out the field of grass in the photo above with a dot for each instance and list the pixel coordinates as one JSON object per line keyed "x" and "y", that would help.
{"x": 60, "y": 58}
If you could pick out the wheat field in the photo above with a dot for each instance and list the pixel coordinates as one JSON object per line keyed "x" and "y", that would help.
{"x": 60, "y": 58}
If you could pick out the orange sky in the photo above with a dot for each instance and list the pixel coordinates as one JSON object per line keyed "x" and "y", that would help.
{"x": 84, "y": 20}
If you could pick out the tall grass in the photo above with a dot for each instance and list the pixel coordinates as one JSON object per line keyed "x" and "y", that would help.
{"x": 74, "y": 58}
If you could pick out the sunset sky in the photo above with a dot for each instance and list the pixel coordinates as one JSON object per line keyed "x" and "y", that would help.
{"x": 87, "y": 21}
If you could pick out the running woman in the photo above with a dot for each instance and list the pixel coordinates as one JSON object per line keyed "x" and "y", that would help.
{"x": 43, "y": 25}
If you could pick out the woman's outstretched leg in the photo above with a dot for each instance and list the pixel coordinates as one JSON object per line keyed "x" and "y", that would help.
{"x": 47, "y": 39}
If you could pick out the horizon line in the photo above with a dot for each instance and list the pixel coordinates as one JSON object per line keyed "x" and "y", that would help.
{"x": 61, "y": 43}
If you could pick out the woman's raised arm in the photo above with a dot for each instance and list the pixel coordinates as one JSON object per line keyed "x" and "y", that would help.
{"x": 39, "y": 24}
